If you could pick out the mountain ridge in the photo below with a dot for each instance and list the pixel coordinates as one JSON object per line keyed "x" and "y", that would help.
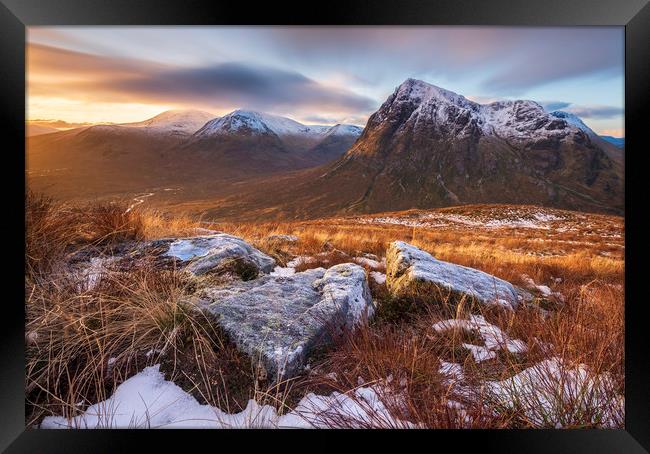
{"x": 428, "y": 147}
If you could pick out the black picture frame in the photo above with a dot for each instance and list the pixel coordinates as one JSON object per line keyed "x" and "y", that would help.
{"x": 16, "y": 15}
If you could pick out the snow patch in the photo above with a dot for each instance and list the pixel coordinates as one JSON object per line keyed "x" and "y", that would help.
{"x": 147, "y": 400}
{"x": 493, "y": 337}
{"x": 545, "y": 391}
{"x": 380, "y": 278}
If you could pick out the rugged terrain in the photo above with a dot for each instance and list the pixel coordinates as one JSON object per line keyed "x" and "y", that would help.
{"x": 425, "y": 147}
{"x": 117, "y": 334}
{"x": 428, "y": 147}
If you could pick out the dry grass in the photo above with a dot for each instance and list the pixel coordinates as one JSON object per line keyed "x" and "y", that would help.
{"x": 83, "y": 341}
{"x": 584, "y": 262}
{"x": 72, "y": 333}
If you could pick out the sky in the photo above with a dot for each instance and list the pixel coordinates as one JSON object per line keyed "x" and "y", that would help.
{"x": 317, "y": 75}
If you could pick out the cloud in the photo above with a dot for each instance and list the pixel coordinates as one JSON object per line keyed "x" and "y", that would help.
{"x": 550, "y": 106}
{"x": 545, "y": 56}
{"x": 58, "y": 72}
{"x": 506, "y": 60}
{"x": 596, "y": 112}
{"x": 243, "y": 85}
{"x": 584, "y": 111}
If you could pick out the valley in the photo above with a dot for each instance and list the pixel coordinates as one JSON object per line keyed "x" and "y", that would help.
{"x": 425, "y": 147}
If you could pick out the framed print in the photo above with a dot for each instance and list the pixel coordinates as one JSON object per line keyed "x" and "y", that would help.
{"x": 416, "y": 220}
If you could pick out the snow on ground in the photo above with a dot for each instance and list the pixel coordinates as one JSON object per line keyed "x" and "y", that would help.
{"x": 493, "y": 338}
{"x": 499, "y": 218}
{"x": 546, "y": 390}
{"x": 374, "y": 264}
{"x": 380, "y": 278}
{"x": 542, "y": 289}
{"x": 480, "y": 353}
{"x": 290, "y": 269}
{"x": 147, "y": 400}
{"x": 453, "y": 372}
{"x": 139, "y": 199}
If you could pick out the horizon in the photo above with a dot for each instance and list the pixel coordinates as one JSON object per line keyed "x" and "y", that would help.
{"x": 317, "y": 75}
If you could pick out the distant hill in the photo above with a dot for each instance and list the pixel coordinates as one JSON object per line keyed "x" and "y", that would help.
{"x": 37, "y": 130}
{"x": 180, "y": 147}
{"x": 617, "y": 141}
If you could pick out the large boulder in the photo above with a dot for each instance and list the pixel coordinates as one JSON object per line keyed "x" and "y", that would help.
{"x": 411, "y": 271}
{"x": 207, "y": 253}
{"x": 279, "y": 320}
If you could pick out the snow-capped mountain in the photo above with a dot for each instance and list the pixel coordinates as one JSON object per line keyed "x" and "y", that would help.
{"x": 344, "y": 130}
{"x": 251, "y": 122}
{"x": 179, "y": 122}
{"x": 428, "y": 147}
{"x": 261, "y": 136}
{"x": 180, "y": 147}
{"x": 612, "y": 148}
{"x": 574, "y": 120}
{"x": 246, "y": 122}
{"x": 437, "y": 109}
{"x": 432, "y": 147}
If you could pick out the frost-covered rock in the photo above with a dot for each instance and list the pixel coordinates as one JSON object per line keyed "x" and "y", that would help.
{"x": 409, "y": 270}
{"x": 278, "y": 320}
{"x": 205, "y": 253}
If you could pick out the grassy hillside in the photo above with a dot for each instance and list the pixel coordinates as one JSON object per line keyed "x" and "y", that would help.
{"x": 83, "y": 342}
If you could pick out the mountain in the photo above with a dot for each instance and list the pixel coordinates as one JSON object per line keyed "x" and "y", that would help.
{"x": 613, "y": 150}
{"x": 37, "y": 130}
{"x": 616, "y": 141}
{"x": 259, "y": 140}
{"x": 178, "y": 148}
{"x": 428, "y": 147}
{"x": 174, "y": 122}
{"x": 338, "y": 137}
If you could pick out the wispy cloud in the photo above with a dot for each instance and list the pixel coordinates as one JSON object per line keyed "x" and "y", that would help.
{"x": 584, "y": 111}
{"x": 550, "y": 106}
{"x": 596, "y": 111}
{"x": 326, "y": 73}
{"x": 225, "y": 85}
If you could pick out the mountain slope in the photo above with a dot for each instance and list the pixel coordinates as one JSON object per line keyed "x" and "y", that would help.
{"x": 37, "y": 130}
{"x": 616, "y": 141}
{"x": 174, "y": 122}
{"x": 260, "y": 141}
{"x": 612, "y": 148}
{"x": 187, "y": 148}
{"x": 427, "y": 147}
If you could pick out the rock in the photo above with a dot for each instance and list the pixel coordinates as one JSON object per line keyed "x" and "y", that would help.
{"x": 280, "y": 320}
{"x": 410, "y": 270}
{"x": 209, "y": 252}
